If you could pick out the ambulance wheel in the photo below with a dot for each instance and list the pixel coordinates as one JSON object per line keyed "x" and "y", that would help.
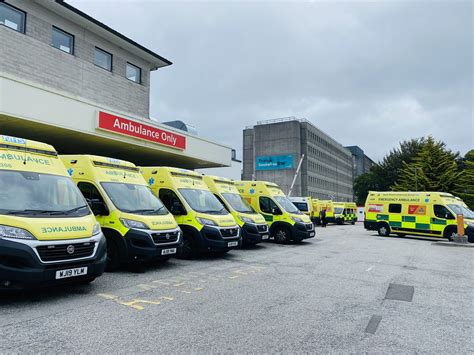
{"x": 113, "y": 255}
{"x": 383, "y": 229}
{"x": 189, "y": 249}
{"x": 282, "y": 235}
{"x": 450, "y": 232}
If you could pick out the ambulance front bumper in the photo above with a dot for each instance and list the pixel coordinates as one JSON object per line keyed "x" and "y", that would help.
{"x": 254, "y": 233}
{"x": 28, "y": 264}
{"x": 147, "y": 245}
{"x": 220, "y": 239}
{"x": 302, "y": 231}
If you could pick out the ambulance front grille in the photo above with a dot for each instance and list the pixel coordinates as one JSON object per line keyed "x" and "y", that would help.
{"x": 65, "y": 252}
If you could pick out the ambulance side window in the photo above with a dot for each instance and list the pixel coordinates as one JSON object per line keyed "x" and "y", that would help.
{"x": 267, "y": 205}
{"x": 394, "y": 208}
{"x": 168, "y": 197}
{"x": 442, "y": 212}
{"x": 90, "y": 192}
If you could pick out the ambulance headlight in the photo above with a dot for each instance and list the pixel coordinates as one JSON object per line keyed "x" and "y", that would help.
{"x": 130, "y": 223}
{"x": 15, "y": 233}
{"x": 296, "y": 219}
{"x": 206, "y": 221}
{"x": 96, "y": 229}
{"x": 247, "y": 220}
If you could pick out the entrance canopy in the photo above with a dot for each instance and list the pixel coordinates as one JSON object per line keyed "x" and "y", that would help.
{"x": 75, "y": 126}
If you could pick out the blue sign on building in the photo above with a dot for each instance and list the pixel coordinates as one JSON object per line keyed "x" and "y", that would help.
{"x": 274, "y": 162}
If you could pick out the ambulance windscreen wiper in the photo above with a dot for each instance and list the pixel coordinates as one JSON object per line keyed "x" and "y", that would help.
{"x": 147, "y": 210}
{"x": 36, "y": 212}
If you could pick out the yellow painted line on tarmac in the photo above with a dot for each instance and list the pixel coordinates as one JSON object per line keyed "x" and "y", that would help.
{"x": 199, "y": 289}
{"x": 107, "y": 296}
{"x": 186, "y": 291}
{"x": 234, "y": 277}
{"x": 179, "y": 284}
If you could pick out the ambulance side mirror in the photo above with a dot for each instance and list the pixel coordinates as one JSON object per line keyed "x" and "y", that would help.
{"x": 177, "y": 209}
{"x": 98, "y": 207}
{"x": 276, "y": 211}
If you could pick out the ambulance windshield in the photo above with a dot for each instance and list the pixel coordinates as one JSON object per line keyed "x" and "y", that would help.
{"x": 36, "y": 194}
{"x": 134, "y": 198}
{"x": 287, "y": 205}
{"x": 203, "y": 201}
{"x": 238, "y": 203}
{"x": 459, "y": 209}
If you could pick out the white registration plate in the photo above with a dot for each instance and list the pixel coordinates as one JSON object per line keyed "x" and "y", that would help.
{"x": 232, "y": 244}
{"x": 168, "y": 251}
{"x": 265, "y": 237}
{"x": 311, "y": 234}
{"x": 64, "y": 274}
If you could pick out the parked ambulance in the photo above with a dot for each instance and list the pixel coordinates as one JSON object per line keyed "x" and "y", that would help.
{"x": 430, "y": 214}
{"x": 287, "y": 223}
{"x": 207, "y": 226}
{"x": 338, "y": 216}
{"x": 252, "y": 224}
{"x": 48, "y": 234}
{"x": 350, "y": 212}
{"x": 327, "y": 205}
{"x": 136, "y": 224}
{"x": 304, "y": 204}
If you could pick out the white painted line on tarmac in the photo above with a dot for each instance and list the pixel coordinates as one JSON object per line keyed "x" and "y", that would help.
{"x": 370, "y": 268}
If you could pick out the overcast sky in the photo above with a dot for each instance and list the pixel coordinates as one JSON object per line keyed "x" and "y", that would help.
{"x": 367, "y": 73}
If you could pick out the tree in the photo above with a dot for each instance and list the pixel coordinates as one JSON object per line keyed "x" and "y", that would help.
{"x": 465, "y": 188}
{"x": 383, "y": 176}
{"x": 433, "y": 169}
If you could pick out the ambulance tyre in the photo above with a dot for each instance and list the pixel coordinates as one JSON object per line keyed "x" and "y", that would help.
{"x": 113, "y": 255}
{"x": 383, "y": 229}
{"x": 189, "y": 249}
{"x": 282, "y": 235}
{"x": 450, "y": 232}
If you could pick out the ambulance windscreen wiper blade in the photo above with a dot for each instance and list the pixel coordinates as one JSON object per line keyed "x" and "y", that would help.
{"x": 33, "y": 212}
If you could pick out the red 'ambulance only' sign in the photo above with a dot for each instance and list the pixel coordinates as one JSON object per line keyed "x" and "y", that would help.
{"x": 116, "y": 124}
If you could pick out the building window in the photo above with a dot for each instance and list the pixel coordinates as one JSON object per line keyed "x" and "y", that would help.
{"x": 12, "y": 17}
{"x": 134, "y": 73}
{"x": 63, "y": 40}
{"x": 103, "y": 59}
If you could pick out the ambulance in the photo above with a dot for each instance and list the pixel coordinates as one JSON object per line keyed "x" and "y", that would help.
{"x": 207, "y": 226}
{"x": 48, "y": 234}
{"x": 327, "y": 205}
{"x": 338, "y": 216}
{"x": 304, "y": 204}
{"x": 286, "y": 221}
{"x": 253, "y": 226}
{"x": 431, "y": 214}
{"x": 136, "y": 224}
{"x": 350, "y": 212}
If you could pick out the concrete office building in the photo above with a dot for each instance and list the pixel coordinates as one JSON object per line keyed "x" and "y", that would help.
{"x": 272, "y": 150}
{"x": 361, "y": 162}
{"x": 69, "y": 80}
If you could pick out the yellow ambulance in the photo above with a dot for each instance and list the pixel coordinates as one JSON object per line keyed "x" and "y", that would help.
{"x": 338, "y": 214}
{"x": 136, "y": 224}
{"x": 430, "y": 214}
{"x": 350, "y": 212}
{"x": 253, "y": 226}
{"x": 48, "y": 234}
{"x": 286, "y": 221}
{"x": 207, "y": 226}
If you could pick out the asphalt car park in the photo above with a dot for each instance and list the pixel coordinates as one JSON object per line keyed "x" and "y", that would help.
{"x": 347, "y": 290}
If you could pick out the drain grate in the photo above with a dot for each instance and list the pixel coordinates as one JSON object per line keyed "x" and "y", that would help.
{"x": 400, "y": 292}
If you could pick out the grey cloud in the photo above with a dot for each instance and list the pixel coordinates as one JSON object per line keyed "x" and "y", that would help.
{"x": 367, "y": 73}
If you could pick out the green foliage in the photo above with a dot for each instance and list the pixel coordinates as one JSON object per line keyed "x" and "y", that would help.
{"x": 382, "y": 176}
{"x": 433, "y": 169}
{"x": 465, "y": 187}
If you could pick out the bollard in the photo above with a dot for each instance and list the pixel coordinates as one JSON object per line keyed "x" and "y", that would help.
{"x": 460, "y": 220}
